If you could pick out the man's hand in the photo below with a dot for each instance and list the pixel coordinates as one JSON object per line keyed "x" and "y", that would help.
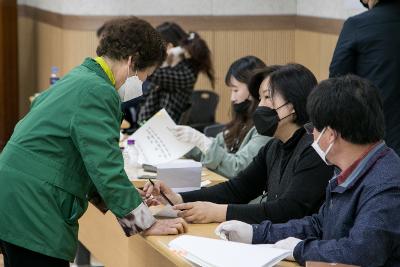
{"x": 235, "y": 231}
{"x": 289, "y": 244}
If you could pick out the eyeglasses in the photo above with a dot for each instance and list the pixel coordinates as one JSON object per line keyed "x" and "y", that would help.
{"x": 309, "y": 127}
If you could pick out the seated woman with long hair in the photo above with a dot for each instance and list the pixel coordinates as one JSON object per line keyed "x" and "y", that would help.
{"x": 233, "y": 149}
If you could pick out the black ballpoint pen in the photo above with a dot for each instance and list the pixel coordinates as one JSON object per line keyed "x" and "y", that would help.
{"x": 163, "y": 195}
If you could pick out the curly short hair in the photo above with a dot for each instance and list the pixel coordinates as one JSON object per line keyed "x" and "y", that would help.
{"x": 131, "y": 36}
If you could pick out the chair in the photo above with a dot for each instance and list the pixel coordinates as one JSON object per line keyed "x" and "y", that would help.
{"x": 213, "y": 130}
{"x": 204, "y": 105}
{"x": 184, "y": 119}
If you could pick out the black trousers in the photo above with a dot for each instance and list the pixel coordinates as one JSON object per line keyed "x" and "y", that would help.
{"x": 15, "y": 256}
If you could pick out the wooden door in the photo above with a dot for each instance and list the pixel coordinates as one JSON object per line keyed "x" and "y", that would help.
{"x": 8, "y": 69}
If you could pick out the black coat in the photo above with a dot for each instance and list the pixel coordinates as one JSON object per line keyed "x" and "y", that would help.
{"x": 369, "y": 46}
{"x": 291, "y": 173}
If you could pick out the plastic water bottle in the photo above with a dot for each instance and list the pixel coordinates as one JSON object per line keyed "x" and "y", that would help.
{"x": 54, "y": 75}
{"x": 131, "y": 158}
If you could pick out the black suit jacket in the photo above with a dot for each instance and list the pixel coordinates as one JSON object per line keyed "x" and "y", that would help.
{"x": 369, "y": 46}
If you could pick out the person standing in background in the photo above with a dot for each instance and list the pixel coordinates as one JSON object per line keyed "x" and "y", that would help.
{"x": 171, "y": 85}
{"x": 369, "y": 46}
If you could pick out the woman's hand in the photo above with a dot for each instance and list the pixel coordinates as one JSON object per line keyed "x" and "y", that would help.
{"x": 152, "y": 194}
{"x": 202, "y": 212}
{"x": 167, "y": 227}
{"x": 189, "y": 135}
{"x": 150, "y": 201}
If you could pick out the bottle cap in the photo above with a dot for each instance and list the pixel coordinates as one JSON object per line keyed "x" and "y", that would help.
{"x": 54, "y": 69}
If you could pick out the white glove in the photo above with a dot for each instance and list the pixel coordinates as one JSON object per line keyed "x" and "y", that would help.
{"x": 289, "y": 244}
{"x": 192, "y": 136}
{"x": 235, "y": 231}
{"x": 176, "y": 51}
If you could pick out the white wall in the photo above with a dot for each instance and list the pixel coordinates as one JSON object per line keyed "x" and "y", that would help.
{"x": 338, "y": 9}
{"x": 166, "y": 7}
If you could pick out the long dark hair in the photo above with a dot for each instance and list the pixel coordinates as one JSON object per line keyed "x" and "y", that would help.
{"x": 236, "y": 130}
{"x": 200, "y": 54}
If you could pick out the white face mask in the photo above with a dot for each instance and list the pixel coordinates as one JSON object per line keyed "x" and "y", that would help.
{"x": 131, "y": 88}
{"x": 318, "y": 149}
{"x": 176, "y": 51}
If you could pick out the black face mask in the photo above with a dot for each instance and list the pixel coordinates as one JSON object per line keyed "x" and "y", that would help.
{"x": 242, "y": 107}
{"x": 266, "y": 120}
{"x": 365, "y": 5}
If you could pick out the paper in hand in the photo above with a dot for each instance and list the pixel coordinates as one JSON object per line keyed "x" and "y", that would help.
{"x": 156, "y": 143}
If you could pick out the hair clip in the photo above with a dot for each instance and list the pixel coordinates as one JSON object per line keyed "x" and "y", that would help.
{"x": 191, "y": 36}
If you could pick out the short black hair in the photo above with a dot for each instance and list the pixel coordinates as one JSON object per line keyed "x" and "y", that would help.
{"x": 243, "y": 69}
{"x": 259, "y": 75}
{"x": 350, "y": 105}
{"x": 294, "y": 82}
{"x": 130, "y": 36}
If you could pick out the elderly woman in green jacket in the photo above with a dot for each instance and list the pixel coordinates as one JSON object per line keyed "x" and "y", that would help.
{"x": 234, "y": 148}
{"x": 65, "y": 153}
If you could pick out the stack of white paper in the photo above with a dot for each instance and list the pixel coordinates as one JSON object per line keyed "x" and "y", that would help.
{"x": 180, "y": 175}
{"x": 219, "y": 253}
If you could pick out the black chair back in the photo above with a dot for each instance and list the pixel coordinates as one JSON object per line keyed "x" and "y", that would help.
{"x": 213, "y": 130}
{"x": 204, "y": 106}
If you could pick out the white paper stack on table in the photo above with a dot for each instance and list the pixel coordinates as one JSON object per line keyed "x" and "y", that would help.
{"x": 155, "y": 142}
{"x": 180, "y": 175}
{"x": 208, "y": 252}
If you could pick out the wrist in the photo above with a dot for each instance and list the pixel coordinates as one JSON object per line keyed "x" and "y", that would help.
{"x": 177, "y": 199}
{"x": 204, "y": 145}
{"x": 220, "y": 214}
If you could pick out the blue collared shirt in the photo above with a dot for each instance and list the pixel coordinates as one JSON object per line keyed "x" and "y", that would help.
{"x": 359, "y": 221}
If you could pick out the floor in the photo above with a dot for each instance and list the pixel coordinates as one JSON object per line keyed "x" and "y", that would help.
{"x": 93, "y": 261}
